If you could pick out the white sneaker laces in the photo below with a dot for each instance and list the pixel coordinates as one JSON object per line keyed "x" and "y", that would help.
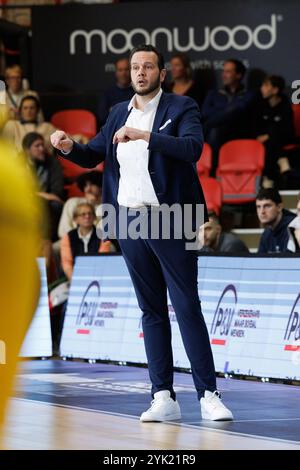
{"x": 215, "y": 399}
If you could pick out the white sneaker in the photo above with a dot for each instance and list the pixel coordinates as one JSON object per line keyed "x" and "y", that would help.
{"x": 163, "y": 408}
{"x": 212, "y": 407}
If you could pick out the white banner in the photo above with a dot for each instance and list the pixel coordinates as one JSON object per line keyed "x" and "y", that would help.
{"x": 38, "y": 341}
{"x": 251, "y": 307}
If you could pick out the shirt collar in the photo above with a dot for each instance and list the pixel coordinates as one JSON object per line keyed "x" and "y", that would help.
{"x": 152, "y": 104}
{"x": 84, "y": 237}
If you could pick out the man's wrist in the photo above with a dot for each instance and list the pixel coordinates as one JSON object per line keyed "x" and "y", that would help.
{"x": 146, "y": 136}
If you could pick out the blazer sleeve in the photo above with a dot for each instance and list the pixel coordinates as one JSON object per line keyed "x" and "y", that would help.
{"x": 91, "y": 154}
{"x": 187, "y": 144}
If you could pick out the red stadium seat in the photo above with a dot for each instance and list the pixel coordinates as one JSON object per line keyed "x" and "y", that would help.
{"x": 241, "y": 163}
{"x": 205, "y": 162}
{"x": 213, "y": 194}
{"x": 75, "y": 121}
{"x": 296, "y": 111}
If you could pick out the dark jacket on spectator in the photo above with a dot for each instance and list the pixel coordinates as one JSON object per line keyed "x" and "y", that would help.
{"x": 276, "y": 121}
{"x": 221, "y": 107}
{"x": 50, "y": 176}
{"x": 110, "y": 97}
{"x": 275, "y": 241}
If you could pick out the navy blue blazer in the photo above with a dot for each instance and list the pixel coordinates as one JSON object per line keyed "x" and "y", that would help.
{"x": 173, "y": 152}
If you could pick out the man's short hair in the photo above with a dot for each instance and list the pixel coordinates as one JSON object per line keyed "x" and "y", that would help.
{"x": 93, "y": 177}
{"x": 269, "y": 193}
{"x": 214, "y": 217}
{"x": 239, "y": 66}
{"x": 13, "y": 68}
{"x": 149, "y": 48}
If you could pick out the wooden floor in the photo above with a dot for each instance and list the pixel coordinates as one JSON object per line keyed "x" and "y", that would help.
{"x": 39, "y": 425}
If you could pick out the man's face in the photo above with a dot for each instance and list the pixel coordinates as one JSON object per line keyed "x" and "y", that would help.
{"x": 209, "y": 233}
{"x": 145, "y": 74}
{"x": 37, "y": 150}
{"x": 14, "y": 81}
{"x": 123, "y": 73}
{"x": 267, "y": 211}
{"x": 29, "y": 111}
{"x": 229, "y": 75}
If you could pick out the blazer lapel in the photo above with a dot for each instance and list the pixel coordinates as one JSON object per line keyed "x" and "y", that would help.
{"x": 160, "y": 113}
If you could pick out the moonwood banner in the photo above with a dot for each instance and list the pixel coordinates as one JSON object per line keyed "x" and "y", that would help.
{"x": 75, "y": 46}
{"x": 251, "y": 307}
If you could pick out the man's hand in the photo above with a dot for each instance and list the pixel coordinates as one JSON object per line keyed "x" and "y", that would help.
{"x": 125, "y": 134}
{"x": 61, "y": 141}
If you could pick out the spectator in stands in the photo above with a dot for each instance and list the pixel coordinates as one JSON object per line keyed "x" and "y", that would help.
{"x": 15, "y": 131}
{"x": 81, "y": 240}
{"x": 15, "y": 91}
{"x": 294, "y": 231}
{"x": 273, "y": 126}
{"x": 275, "y": 219}
{"x": 120, "y": 91}
{"x": 49, "y": 175}
{"x": 91, "y": 185}
{"x": 182, "y": 80}
{"x": 224, "y": 111}
{"x": 214, "y": 240}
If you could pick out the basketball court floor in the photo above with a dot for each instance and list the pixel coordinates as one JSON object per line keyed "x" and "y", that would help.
{"x": 76, "y": 405}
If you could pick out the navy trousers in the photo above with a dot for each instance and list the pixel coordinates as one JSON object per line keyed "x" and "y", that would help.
{"x": 156, "y": 265}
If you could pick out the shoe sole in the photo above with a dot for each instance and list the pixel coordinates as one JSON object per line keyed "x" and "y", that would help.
{"x": 207, "y": 417}
{"x": 169, "y": 418}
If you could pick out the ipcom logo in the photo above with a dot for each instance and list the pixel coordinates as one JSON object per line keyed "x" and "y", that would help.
{"x": 88, "y": 308}
{"x": 219, "y": 38}
{"x": 292, "y": 332}
{"x": 2, "y": 352}
{"x": 223, "y": 315}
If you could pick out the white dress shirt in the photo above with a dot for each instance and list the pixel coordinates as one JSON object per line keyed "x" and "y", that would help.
{"x": 135, "y": 185}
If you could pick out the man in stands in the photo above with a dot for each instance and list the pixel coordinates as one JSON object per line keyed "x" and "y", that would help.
{"x": 224, "y": 111}
{"x": 120, "y": 91}
{"x": 275, "y": 219}
{"x": 214, "y": 240}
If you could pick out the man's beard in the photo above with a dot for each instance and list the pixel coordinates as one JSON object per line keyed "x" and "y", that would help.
{"x": 148, "y": 90}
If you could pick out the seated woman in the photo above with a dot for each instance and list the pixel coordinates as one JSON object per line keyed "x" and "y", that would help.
{"x": 182, "y": 82}
{"x": 81, "y": 240}
{"x": 15, "y": 91}
{"x": 15, "y": 131}
{"x": 90, "y": 184}
{"x": 274, "y": 126}
{"x": 49, "y": 176}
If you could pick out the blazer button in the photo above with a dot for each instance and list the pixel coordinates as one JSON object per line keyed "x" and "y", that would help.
{"x": 152, "y": 172}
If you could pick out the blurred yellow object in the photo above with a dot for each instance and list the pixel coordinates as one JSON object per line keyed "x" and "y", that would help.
{"x": 3, "y": 115}
{"x": 20, "y": 222}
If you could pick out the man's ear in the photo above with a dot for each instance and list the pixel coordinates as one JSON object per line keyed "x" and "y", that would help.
{"x": 280, "y": 206}
{"x": 163, "y": 74}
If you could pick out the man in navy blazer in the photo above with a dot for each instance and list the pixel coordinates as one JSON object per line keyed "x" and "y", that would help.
{"x": 150, "y": 146}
